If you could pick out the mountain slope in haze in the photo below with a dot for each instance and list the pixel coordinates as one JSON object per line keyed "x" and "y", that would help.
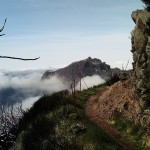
{"x": 83, "y": 68}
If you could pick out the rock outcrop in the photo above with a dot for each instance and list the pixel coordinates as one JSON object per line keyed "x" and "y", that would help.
{"x": 83, "y": 68}
{"x": 141, "y": 54}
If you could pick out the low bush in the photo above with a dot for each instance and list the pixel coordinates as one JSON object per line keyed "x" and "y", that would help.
{"x": 115, "y": 78}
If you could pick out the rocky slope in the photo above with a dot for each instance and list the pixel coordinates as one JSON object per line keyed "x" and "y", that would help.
{"x": 118, "y": 102}
{"x": 83, "y": 68}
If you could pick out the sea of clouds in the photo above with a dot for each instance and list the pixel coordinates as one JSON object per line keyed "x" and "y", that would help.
{"x": 27, "y": 86}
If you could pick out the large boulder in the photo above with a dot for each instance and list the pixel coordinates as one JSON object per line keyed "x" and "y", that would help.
{"x": 141, "y": 54}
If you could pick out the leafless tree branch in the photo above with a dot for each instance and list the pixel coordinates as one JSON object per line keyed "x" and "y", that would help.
{"x": 19, "y": 58}
{"x": 13, "y": 57}
{"x": 2, "y": 34}
{"x": 3, "y": 27}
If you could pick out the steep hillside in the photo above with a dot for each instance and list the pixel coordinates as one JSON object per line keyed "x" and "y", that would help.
{"x": 118, "y": 107}
{"x": 83, "y": 68}
{"x": 53, "y": 123}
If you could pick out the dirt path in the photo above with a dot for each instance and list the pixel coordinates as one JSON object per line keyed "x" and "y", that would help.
{"x": 92, "y": 113}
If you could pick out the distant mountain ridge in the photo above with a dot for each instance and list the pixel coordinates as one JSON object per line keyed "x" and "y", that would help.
{"x": 82, "y": 68}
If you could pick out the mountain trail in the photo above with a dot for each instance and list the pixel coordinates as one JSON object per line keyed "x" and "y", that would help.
{"x": 93, "y": 114}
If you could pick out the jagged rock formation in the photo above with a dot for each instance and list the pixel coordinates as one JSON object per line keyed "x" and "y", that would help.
{"x": 83, "y": 68}
{"x": 141, "y": 54}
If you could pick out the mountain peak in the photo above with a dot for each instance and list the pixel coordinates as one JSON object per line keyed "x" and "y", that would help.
{"x": 86, "y": 67}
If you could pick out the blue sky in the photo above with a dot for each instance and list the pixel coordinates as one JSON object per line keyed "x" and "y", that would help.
{"x": 63, "y": 31}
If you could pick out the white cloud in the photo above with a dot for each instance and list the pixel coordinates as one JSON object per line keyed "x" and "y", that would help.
{"x": 27, "y": 88}
{"x": 27, "y": 103}
{"x": 17, "y": 87}
{"x": 90, "y": 81}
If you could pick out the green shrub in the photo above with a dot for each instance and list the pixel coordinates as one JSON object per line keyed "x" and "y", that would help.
{"x": 115, "y": 78}
{"x": 40, "y": 129}
{"x": 43, "y": 106}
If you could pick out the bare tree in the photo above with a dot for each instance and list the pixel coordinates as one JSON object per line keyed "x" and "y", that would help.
{"x": 9, "y": 119}
{"x": 9, "y": 115}
{"x": 3, "y": 27}
{"x": 14, "y": 57}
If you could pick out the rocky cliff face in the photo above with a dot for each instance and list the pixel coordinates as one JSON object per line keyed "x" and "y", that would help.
{"x": 83, "y": 68}
{"x": 141, "y": 53}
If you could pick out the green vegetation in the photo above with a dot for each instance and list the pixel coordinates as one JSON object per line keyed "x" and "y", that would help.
{"x": 131, "y": 131}
{"x": 115, "y": 78}
{"x": 53, "y": 123}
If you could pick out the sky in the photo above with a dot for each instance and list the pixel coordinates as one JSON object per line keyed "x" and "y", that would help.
{"x": 63, "y": 31}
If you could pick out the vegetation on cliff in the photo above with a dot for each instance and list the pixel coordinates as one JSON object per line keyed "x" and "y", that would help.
{"x": 53, "y": 123}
